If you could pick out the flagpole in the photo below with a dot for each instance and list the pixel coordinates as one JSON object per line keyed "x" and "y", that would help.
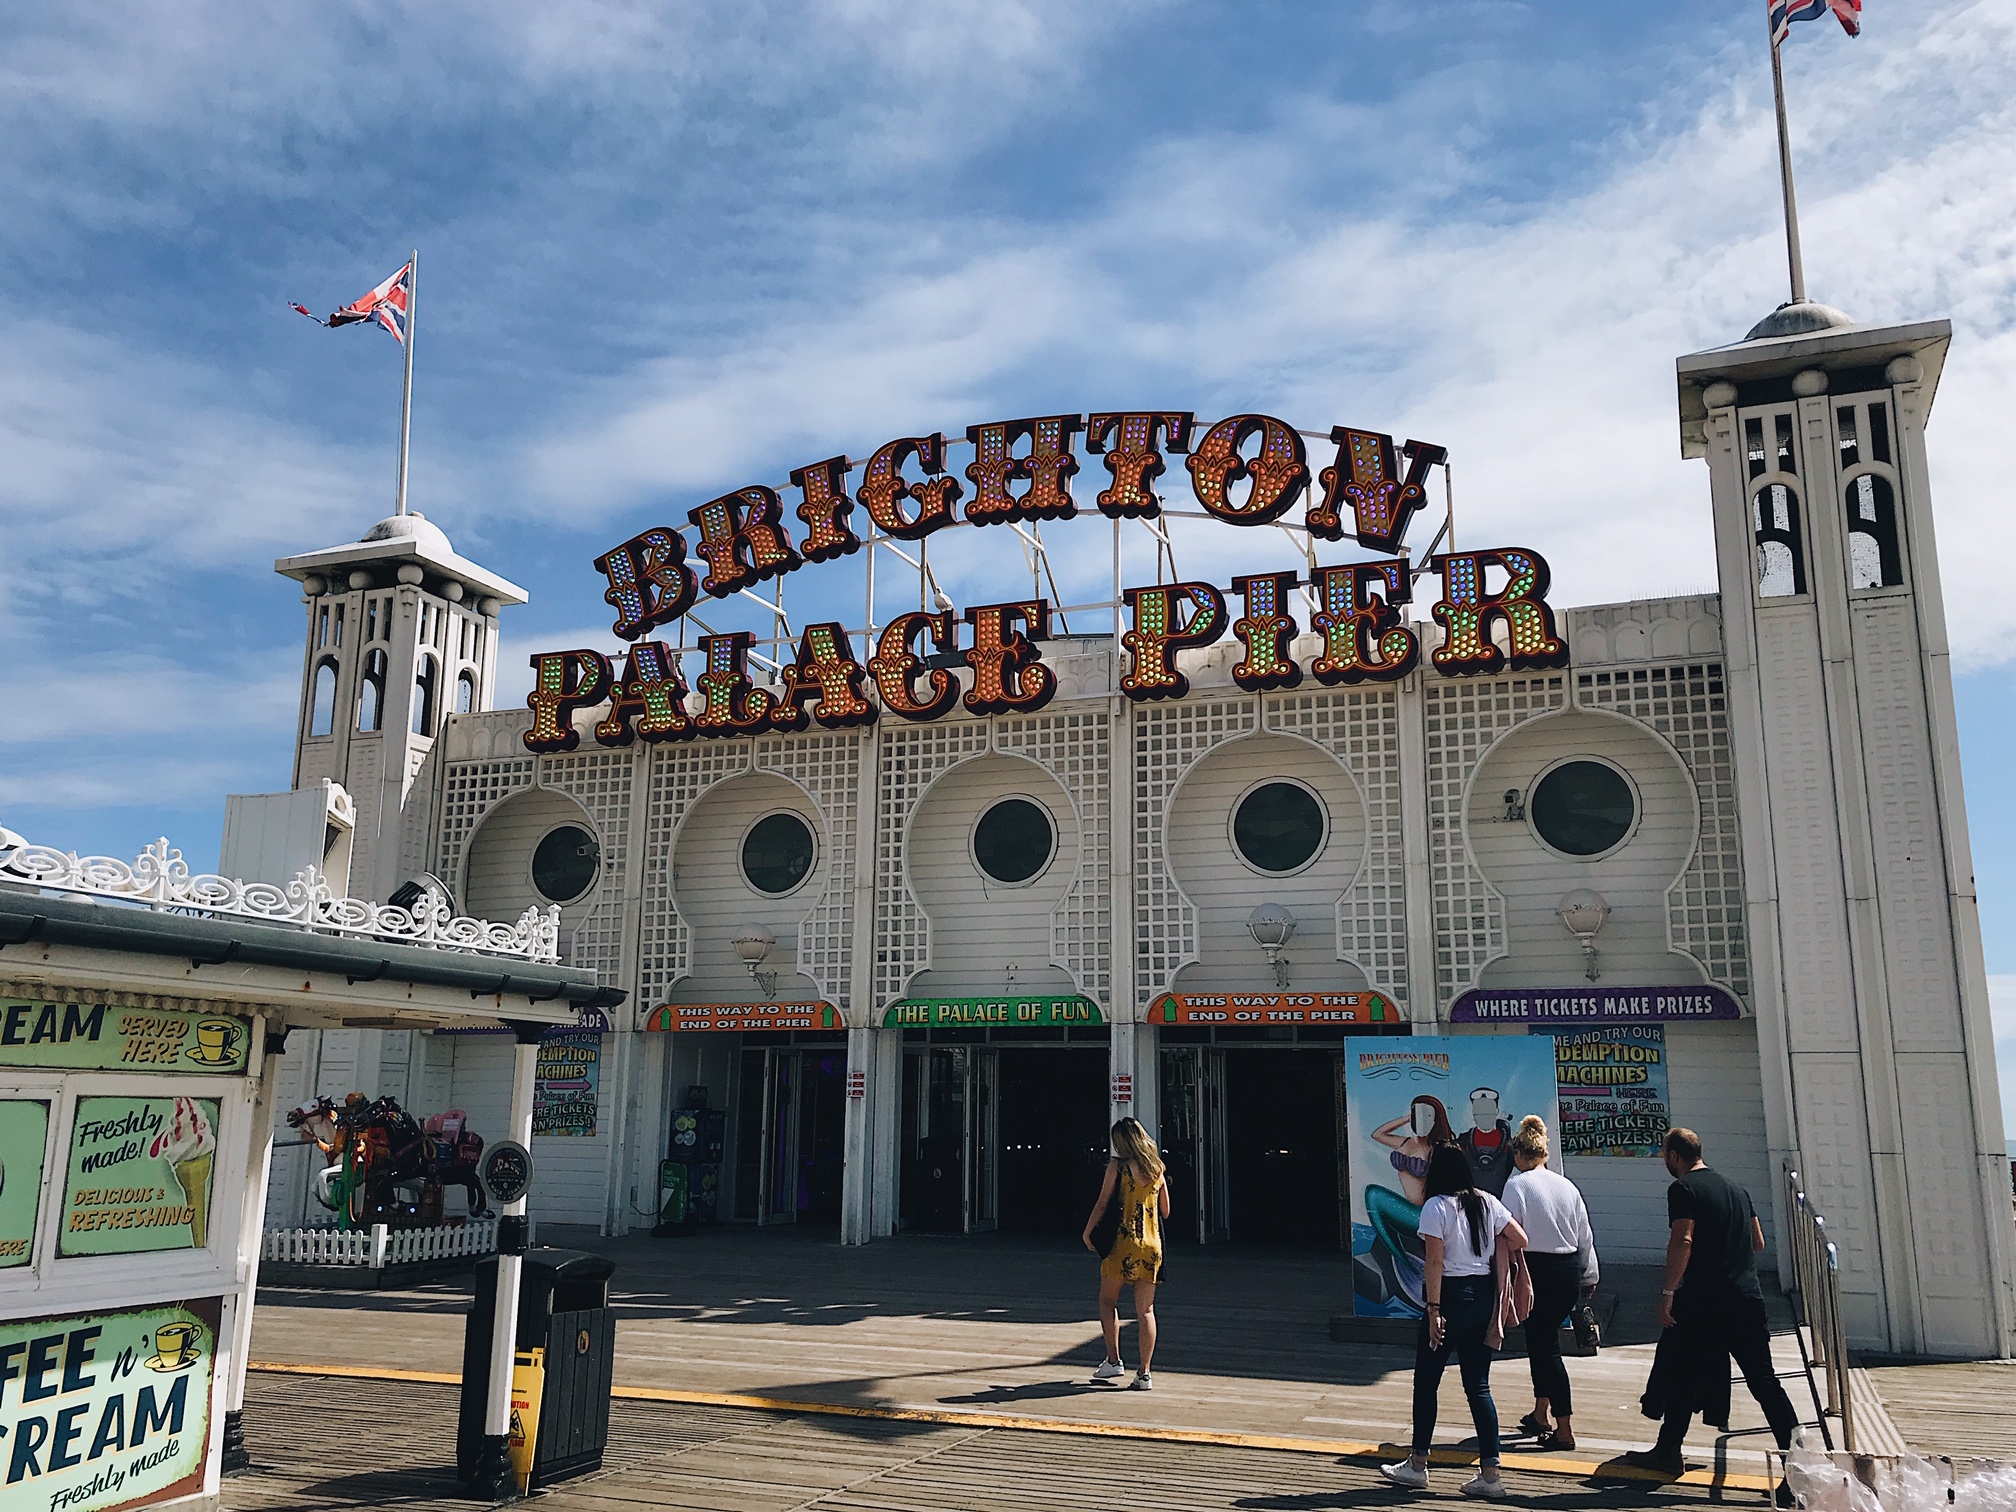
{"x": 413, "y": 325}
{"x": 1797, "y": 263}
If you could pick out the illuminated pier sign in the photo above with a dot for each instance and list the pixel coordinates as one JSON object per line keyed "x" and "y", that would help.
{"x": 1245, "y": 470}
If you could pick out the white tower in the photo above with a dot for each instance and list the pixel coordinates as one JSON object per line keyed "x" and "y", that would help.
{"x": 402, "y": 634}
{"x": 1871, "y": 996}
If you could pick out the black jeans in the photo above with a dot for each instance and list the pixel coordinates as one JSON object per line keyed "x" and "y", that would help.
{"x": 1728, "y": 1320}
{"x": 1466, "y": 1312}
{"x": 1557, "y": 1280}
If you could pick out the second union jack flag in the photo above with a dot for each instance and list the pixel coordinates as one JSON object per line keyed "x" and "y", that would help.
{"x": 1785, "y": 12}
{"x": 389, "y": 304}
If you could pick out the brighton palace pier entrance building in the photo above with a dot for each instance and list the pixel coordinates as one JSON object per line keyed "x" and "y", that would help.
{"x": 912, "y": 901}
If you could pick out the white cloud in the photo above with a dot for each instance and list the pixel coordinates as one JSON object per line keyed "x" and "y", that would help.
{"x": 1538, "y": 344}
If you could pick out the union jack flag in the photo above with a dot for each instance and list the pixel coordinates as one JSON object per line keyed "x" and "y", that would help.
{"x": 1785, "y": 12}
{"x": 389, "y": 304}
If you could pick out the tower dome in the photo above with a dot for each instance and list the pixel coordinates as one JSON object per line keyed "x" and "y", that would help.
{"x": 1798, "y": 317}
{"x": 414, "y": 527}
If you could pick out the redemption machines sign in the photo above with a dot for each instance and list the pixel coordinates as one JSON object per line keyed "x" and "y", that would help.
{"x": 123, "y": 1132}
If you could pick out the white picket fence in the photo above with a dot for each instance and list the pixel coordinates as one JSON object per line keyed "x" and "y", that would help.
{"x": 380, "y": 1246}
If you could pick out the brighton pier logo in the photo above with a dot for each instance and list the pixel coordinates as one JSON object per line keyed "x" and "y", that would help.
{"x": 1403, "y": 1065}
{"x": 1246, "y": 470}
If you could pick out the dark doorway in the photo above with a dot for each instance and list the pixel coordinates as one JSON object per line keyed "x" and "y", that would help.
{"x": 1054, "y": 1136}
{"x": 933, "y": 1194}
{"x": 1281, "y": 1146}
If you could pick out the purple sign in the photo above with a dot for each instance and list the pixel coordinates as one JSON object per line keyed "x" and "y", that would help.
{"x": 1593, "y": 1005}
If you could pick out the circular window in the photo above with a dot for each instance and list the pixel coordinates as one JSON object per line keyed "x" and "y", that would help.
{"x": 1583, "y": 808}
{"x": 777, "y": 853}
{"x": 564, "y": 865}
{"x": 1013, "y": 840}
{"x": 1278, "y": 827}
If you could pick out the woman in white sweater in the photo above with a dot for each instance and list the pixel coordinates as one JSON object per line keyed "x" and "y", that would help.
{"x": 1561, "y": 1256}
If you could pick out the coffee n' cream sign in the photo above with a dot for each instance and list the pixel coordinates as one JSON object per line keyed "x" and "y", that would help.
{"x": 96, "y": 1037}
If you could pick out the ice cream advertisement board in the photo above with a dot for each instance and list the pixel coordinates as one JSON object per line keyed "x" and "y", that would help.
{"x": 95, "y": 1037}
{"x": 24, "y": 1136}
{"x": 106, "y": 1410}
{"x": 140, "y": 1175}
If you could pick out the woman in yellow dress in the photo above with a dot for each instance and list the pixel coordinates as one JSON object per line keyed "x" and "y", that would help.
{"x": 1136, "y": 1256}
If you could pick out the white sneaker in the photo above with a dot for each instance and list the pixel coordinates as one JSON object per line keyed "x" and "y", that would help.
{"x": 1142, "y": 1382}
{"x": 1414, "y": 1477}
{"x": 1109, "y": 1370}
{"x": 1484, "y": 1490}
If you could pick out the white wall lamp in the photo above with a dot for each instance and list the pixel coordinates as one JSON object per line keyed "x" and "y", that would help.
{"x": 1272, "y": 927}
{"x": 753, "y": 943}
{"x": 1583, "y": 914}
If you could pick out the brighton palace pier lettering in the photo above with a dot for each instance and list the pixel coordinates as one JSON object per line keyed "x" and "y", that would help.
{"x": 1022, "y": 471}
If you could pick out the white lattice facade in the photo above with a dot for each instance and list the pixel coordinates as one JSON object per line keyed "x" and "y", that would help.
{"x": 1791, "y": 842}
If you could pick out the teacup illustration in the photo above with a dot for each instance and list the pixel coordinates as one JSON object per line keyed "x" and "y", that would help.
{"x": 174, "y": 1347}
{"x": 216, "y": 1040}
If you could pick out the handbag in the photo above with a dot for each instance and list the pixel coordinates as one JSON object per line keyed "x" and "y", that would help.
{"x": 1588, "y": 1334}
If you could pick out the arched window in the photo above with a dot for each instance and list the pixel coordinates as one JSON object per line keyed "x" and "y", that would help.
{"x": 371, "y": 693}
{"x": 1781, "y": 559}
{"x": 1874, "y": 560}
{"x": 1774, "y": 507}
{"x": 465, "y": 692}
{"x": 322, "y": 713}
{"x": 423, "y": 697}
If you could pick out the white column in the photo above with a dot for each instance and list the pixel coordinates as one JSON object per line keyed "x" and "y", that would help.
{"x": 504, "y": 1322}
{"x": 251, "y": 1236}
{"x": 1423, "y": 993}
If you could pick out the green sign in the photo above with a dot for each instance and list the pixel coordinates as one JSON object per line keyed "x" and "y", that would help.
{"x": 24, "y": 1136}
{"x": 140, "y": 1174}
{"x": 108, "y": 1409}
{"x": 93, "y": 1037}
{"x": 992, "y": 1013}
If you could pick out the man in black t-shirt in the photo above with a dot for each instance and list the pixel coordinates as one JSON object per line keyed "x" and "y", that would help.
{"x": 1711, "y": 1302}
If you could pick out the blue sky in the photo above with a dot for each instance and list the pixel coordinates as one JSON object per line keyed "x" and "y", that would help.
{"x": 668, "y": 250}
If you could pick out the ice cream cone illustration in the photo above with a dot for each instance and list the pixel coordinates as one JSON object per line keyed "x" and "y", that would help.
{"x": 189, "y": 1145}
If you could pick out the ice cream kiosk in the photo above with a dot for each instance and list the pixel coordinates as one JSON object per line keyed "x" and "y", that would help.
{"x": 142, "y": 1012}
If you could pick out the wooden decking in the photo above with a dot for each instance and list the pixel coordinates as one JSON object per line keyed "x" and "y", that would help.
{"x": 1000, "y": 1328}
{"x": 320, "y": 1444}
{"x": 1961, "y": 1411}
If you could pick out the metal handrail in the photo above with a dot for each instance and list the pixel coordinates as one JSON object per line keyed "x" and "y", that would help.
{"x": 1816, "y": 1286}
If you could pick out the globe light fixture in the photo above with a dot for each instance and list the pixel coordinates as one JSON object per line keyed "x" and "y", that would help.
{"x": 1272, "y": 927}
{"x": 753, "y": 943}
{"x": 1583, "y": 914}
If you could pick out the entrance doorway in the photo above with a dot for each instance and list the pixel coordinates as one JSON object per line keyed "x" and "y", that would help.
{"x": 951, "y": 1102}
{"x": 1054, "y": 1135}
{"x": 1193, "y": 1141}
{"x": 790, "y": 1134}
{"x": 1253, "y": 1140}
{"x": 1009, "y": 1136}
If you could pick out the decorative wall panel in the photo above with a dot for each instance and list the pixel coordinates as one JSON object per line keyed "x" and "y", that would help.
{"x": 1168, "y": 740}
{"x": 1686, "y": 703}
{"x": 1076, "y": 747}
{"x": 1463, "y": 719}
{"x": 1361, "y": 728}
{"x": 913, "y": 756}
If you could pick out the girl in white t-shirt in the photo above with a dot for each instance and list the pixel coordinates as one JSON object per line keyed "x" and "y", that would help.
{"x": 1461, "y": 1228}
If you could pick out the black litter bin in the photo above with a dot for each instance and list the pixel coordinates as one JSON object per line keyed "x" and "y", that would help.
{"x": 563, "y": 1308}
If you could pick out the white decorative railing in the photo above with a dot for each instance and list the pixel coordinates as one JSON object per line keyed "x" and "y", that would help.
{"x": 379, "y": 1246}
{"x": 160, "y": 879}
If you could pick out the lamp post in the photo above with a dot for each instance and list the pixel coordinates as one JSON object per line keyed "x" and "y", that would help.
{"x": 1272, "y": 927}
{"x": 1583, "y": 913}
{"x": 753, "y": 943}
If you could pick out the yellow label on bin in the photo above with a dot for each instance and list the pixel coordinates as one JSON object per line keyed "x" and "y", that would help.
{"x": 528, "y": 1385}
